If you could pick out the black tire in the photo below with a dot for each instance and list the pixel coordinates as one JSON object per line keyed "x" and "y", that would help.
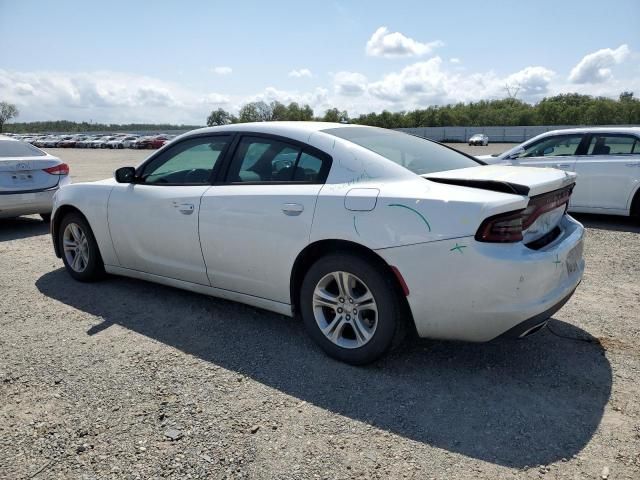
{"x": 390, "y": 326}
{"x": 46, "y": 217}
{"x": 635, "y": 206}
{"x": 94, "y": 269}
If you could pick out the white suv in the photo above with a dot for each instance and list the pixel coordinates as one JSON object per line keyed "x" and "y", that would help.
{"x": 607, "y": 161}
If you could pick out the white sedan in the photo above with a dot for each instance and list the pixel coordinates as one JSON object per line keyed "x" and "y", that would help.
{"x": 362, "y": 231}
{"x": 29, "y": 177}
{"x": 606, "y": 160}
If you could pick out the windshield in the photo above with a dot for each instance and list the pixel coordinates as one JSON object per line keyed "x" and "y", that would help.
{"x": 416, "y": 154}
{"x": 14, "y": 148}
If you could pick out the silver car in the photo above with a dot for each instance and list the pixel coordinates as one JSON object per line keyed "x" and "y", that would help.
{"x": 29, "y": 177}
{"x": 479, "y": 139}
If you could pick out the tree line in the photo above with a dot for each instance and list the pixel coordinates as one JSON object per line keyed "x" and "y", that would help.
{"x": 564, "y": 109}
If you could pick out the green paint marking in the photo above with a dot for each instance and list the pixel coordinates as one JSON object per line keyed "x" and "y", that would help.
{"x": 354, "y": 225}
{"x": 458, "y": 248}
{"x": 414, "y": 211}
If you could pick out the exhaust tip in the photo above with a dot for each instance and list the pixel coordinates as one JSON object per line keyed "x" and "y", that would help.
{"x": 532, "y": 330}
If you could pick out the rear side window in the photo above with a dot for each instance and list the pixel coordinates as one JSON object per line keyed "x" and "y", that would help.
{"x": 613, "y": 145}
{"x": 14, "y": 148}
{"x": 416, "y": 154}
{"x": 266, "y": 160}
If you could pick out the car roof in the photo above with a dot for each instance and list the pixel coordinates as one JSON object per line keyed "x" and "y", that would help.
{"x": 634, "y": 130}
{"x": 295, "y": 130}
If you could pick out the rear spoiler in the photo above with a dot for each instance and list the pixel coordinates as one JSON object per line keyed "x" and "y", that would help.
{"x": 493, "y": 185}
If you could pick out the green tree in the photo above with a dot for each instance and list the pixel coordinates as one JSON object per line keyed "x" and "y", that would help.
{"x": 219, "y": 117}
{"x": 336, "y": 116}
{"x": 7, "y": 112}
{"x": 279, "y": 111}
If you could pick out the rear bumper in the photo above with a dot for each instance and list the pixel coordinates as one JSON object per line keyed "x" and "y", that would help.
{"x": 28, "y": 203}
{"x": 479, "y": 291}
{"x": 535, "y": 323}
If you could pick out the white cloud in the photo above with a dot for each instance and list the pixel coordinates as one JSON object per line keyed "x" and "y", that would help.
{"x": 428, "y": 83}
{"x": 594, "y": 67}
{"x": 104, "y": 97}
{"x": 394, "y": 44}
{"x": 454, "y": 60}
{"x": 303, "y": 72}
{"x": 317, "y": 99}
{"x": 531, "y": 81}
{"x": 222, "y": 70}
{"x": 349, "y": 84}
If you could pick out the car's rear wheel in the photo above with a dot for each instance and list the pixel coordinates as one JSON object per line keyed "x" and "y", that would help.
{"x": 635, "y": 206}
{"x": 350, "y": 308}
{"x": 79, "y": 249}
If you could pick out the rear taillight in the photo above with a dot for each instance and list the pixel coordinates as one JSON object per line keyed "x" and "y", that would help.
{"x": 62, "y": 169}
{"x": 508, "y": 227}
{"x": 544, "y": 203}
{"x": 503, "y": 228}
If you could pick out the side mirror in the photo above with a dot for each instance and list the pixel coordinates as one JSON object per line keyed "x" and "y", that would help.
{"x": 125, "y": 175}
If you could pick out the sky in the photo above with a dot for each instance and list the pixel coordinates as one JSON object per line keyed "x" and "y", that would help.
{"x": 175, "y": 61}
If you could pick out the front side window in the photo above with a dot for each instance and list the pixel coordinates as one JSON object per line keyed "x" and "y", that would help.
{"x": 260, "y": 160}
{"x": 613, "y": 145}
{"x": 557, "y": 146}
{"x": 416, "y": 154}
{"x": 190, "y": 162}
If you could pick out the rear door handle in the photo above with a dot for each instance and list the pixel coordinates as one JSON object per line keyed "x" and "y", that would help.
{"x": 632, "y": 164}
{"x": 292, "y": 209}
{"x": 186, "y": 208}
{"x": 563, "y": 165}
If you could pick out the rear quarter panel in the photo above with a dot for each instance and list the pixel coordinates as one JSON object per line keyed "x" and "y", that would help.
{"x": 402, "y": 208}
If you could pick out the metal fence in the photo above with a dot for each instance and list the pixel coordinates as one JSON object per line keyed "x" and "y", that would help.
{"x": 496, "y": 134}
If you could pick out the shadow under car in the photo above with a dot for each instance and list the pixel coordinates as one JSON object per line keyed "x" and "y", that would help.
{"x": 509, "y": 402}
{"x": 22, "y": 227}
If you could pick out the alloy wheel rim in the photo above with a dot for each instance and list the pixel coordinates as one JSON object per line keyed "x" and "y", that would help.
{"x": 76, "y": 247}
{"x": 345, "y": 310}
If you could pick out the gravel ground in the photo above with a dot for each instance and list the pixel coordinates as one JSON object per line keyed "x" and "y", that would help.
{"x": 126, "y": 379}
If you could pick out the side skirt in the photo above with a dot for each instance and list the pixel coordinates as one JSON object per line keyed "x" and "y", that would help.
{"x": 277, "y": 307}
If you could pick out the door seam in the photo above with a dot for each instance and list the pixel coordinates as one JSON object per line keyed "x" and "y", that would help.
{"x": 206, "y": 267}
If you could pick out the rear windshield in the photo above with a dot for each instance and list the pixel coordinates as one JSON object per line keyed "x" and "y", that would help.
{"x": 14, "y": 148}
{"x": 414, "y": 153}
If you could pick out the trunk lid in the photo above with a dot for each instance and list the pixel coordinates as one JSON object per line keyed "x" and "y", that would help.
{"x": 529, "y": 181}
{"x": 27, "y": 174}
{"x": 548, "y": 191}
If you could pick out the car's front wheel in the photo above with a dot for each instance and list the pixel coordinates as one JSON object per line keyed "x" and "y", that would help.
{"x": 350, "y": 308}
{"x": 79, "y": 249}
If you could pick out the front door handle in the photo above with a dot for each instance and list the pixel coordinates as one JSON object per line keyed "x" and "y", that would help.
{"x": 292, "y": 209}
{"x": 563, "y": 165}
{"x": 635, "y": 164}
{"x": 185, "y": 208}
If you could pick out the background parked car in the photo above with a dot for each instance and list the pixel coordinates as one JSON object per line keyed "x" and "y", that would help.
{"x": 29, "y": 178}
{"x": 479, "y": 139}
{"x": 607, "y": 161}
